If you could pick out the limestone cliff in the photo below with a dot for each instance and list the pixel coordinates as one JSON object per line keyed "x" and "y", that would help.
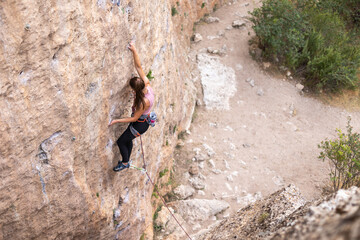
{"x": 64, "y": 68}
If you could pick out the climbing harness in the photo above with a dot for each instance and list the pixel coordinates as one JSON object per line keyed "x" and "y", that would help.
{"x": 157, "y": 191}
{"x": 150, "y": 118}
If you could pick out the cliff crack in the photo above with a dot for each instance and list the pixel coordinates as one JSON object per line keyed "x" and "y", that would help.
{"x": 47, "y": 146}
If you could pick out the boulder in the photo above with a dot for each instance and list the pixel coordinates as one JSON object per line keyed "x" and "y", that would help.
{"x": 163, "y": 217}
{"x": 172, "y": 230}
{"x": 184, "y": 191}
{"x": 200, "y": 209}
{"x": 300, "y": 86}
{"x": 210, "y": 151}
{"x": 260, "y": 92}
{"x": 197, "y": 183}
{"x": 194, "y": 169}
{"x": 201, "y": 157}
{"x": 251, "y": 82}
{"x": 197, "y": 37}
{"x": 212, "y": 19}
{"x": 238, "y": 23}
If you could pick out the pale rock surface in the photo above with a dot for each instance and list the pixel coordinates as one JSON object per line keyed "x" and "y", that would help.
{"x": 197, "y": 183}
{"x": 221, "y": 33}
{"x": 239, "y": 67}
{"x": 213, "y": 37}
{"x": 199, "y": 209}
{"x": 218, "y": 81}
{"x": 230, "y": 178}
{"x": 220, "y": 52}
{"x": 194, "y": 169}
{"x": 197, "y": 37}
{"x": 210, "y": 151}
{"x": 248, "y": 198}
{"x": 251, "y": 82}
{"x": 212, "y": 163}
{"x": 201, "y": 165}
{"x": 299, "y": 86}
{"x": 163, "y": 217}
{"x": 212, "y": 19}
{"x": 172, "y": 230}
{"x": 260, "y": 92}
{"x": 184, "y": 191}
{"x": 201, "y": 193}
{"x": 238, "y": 23}
{"x": 201, "y": 157}
{"x": 216, "y": 171}
{"x": 278, "y": 180}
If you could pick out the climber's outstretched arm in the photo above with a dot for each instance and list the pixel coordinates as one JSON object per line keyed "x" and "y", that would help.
{"x": 138, "y": 64}
{"x": 134, "y": 118}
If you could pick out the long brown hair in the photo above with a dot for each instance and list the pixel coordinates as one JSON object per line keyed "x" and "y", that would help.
{"x": 138, "y": 85}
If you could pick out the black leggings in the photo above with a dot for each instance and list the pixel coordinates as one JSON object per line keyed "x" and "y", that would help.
{"x": 125, "y": 140}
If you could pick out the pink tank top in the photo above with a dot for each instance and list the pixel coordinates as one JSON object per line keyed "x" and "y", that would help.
{"x": 150, "y": 97}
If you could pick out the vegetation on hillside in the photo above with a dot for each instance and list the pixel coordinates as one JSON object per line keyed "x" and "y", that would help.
{"x": 343, "y": 154}
{"x": 318, "y": 39}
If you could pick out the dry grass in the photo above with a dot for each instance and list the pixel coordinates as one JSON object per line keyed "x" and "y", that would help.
{"x": 348, "y": 99}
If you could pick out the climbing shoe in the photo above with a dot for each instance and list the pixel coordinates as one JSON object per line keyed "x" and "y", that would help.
{"x": 121, "y": 166}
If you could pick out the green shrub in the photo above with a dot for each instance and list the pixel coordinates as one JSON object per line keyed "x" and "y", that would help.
{"x": 281, "y": 30}
{"x": 163, "y": 172}
{"x": 312, "y": 39}
{"x": 343, "y": 155}
{"x": 348, "y": 9}
{"x": 333, "y": 59}
{"x": 155, "y": 216}
{"x": 174, "y": 11}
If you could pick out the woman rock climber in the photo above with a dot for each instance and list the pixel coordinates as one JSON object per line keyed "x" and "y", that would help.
{"x": 144, "y": 100}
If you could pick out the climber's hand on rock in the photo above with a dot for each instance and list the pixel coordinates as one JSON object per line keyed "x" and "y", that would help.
{"x": 112, "y": 123}
{"x": 132, "y": 46}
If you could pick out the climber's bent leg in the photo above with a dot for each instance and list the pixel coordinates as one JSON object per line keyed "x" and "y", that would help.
{"x": 125, "y": 145}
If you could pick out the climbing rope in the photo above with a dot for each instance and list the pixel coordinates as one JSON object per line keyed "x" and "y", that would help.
{"x": 144, "y": 167}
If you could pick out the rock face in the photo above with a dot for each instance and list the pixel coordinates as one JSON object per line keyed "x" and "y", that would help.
{"x": 200, "y": 209}
{"x": 64, "y": 70}
{"x": 285, "y": 215}
{"x": 336, "y": 218}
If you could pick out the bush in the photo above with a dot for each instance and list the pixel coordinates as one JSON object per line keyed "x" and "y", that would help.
{"x": 310, "y": 38}
{"x": 332, "y": 57}
{"x": 281, "y": 30}
{"x": 343, "y": 155}
{"x": 348, "y": 9}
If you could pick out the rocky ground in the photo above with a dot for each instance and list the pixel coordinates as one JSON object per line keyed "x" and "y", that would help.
{"x": 285, "y": 215}
{"x": 255, "y": 131}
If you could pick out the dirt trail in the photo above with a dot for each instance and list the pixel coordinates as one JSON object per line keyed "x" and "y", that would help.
{"x": 269, "y": 136}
